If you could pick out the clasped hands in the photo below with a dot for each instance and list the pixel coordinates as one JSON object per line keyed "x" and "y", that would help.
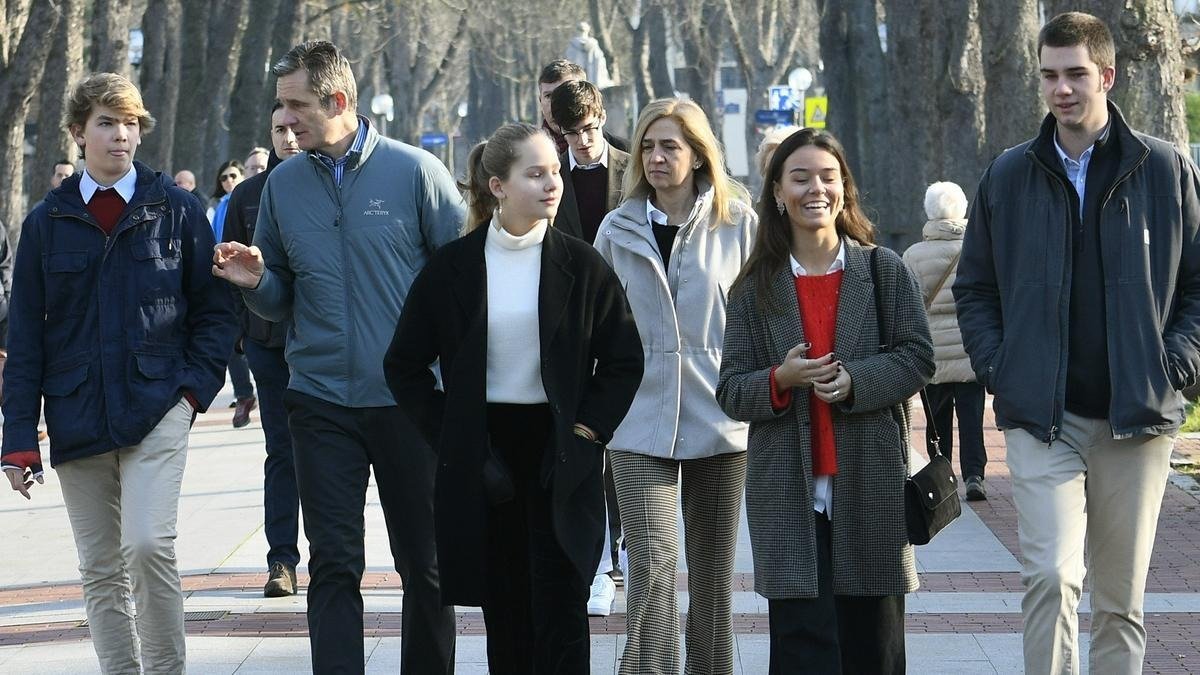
{"x": 830, "y": 382}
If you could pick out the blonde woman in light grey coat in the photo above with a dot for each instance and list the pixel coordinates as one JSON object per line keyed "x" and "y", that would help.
{"x": 954, "y": 392}
{"x": 677, "y": 243}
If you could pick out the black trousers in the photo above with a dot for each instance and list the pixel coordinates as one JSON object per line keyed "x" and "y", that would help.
{"x": 335, "y": 449}
{"x": 535, "y": 609}
{"x": 833, "y": 634}
{"x": 964, "y": 399}
{"x": 281, "y": 501}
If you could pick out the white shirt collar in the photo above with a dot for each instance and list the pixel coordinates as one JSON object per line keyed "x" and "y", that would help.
{"x": 839, "y": 263}
{"x": 654, "y": 215}
{"x": 124, "y": 186}
{"x": 1086, "y": 155}
{"x": 603, "y": 161}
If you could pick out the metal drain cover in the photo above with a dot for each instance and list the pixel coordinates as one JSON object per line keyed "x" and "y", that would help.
{"x": 208, "y": 615}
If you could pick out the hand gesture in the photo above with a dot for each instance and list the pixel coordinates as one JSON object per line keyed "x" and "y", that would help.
{"x": 835, "y": 390}
{"x": 23, "y": 469}
{"x": 238, "y": 264}
{"x": 796, "y": 371}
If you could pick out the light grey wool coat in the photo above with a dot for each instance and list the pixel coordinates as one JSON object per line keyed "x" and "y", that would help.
{"x": 871, "y": 554}
{"x": 680, "y": 315}
{"x": 928, "y": 260}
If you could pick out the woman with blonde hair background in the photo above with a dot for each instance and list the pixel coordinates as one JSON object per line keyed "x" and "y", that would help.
{"x": 677, "y": 243}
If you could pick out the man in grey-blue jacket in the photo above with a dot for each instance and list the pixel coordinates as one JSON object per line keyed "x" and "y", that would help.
{"x": 342, "y": 231}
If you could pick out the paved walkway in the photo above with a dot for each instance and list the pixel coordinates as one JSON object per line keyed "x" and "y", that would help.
{"x": 965, "y": 619}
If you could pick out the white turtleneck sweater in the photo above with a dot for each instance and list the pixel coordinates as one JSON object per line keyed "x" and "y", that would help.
{"x": 514, "y": 272}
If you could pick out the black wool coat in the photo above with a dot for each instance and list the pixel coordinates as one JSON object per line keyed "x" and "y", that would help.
{"x": 591, "y": 362}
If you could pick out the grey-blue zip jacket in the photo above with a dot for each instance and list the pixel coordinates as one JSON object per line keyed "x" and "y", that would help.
{"x": 1014, "y": 285}
{"x": 340, "y": 260}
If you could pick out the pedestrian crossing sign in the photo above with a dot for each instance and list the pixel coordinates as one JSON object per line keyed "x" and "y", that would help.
{"x": 815, "y": 110}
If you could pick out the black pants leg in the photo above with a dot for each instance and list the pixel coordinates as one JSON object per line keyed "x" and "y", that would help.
{"x": 542, "y": 585}
{"x": 834, "y": 634}
{"x": 968, "y": 407}
{"x": 332, "y": 469}
{"x": 941, "y": 403}
{"x": 404, "y": 471}
{"x": 335, "y": 448}
{"x": 281, "y": 501}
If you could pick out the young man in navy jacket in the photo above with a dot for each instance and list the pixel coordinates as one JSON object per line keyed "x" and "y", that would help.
{"x": 117, "y": 325}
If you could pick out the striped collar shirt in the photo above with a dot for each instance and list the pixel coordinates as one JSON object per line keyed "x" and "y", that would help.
{"x": 338, "y": 166}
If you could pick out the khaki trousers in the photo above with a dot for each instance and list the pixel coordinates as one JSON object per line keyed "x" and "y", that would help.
{"x": 1086, "y": 491}
{"x": 123, "y": 507}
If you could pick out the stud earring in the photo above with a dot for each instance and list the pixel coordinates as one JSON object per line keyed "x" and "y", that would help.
{"x": 779, "y": 205}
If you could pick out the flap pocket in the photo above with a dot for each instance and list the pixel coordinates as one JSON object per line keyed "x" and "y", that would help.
{"x": 64, "y": 382}
{"x": 66, "y": 261}
{"x": 154, "y": 248}
{"x": 156, "y": 366}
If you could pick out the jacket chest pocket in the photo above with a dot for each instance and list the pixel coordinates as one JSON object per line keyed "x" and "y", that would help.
{"x": 67, "y": 286}
{"x": 158, "y": 252}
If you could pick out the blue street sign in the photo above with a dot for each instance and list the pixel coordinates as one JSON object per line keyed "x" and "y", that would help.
{"x": 774, "y": 117}
{"x": 432, "y": 138}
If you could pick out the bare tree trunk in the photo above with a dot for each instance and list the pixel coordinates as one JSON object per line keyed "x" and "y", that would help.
{"x": 857, "y": 86}
{"x": 162, "y": 31}
{"x": 289, "y": 27}
{"x": 660, "y": 73}
{"x": 1149, "y": 87}
{"x": 604, "y": 38}
{"x": 421, "y": 53}
{"x": 486, "y": 94}
{"x": 63, "y": 69}
{"x": 250, "y": 102}
{"x": 934, "y": 49}
{"x": 701, "y": 26}
{"x": 192, "y": 111}
{"x": 1010, "y": 62}
{"x": 226, "y": 24}
{"x": 110, "y": 37}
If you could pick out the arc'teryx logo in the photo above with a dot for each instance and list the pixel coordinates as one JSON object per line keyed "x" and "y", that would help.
{"x": 375, "y": 208}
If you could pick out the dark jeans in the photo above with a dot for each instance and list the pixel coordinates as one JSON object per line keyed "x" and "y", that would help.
{"x": 833, "y": 634}
{"x": 239, "y": 374}
{"x": 335, "y": 450}
{"x": 964, "y": 399}
{"x": 535, "y": 609}
{"x": 281, "y": 501}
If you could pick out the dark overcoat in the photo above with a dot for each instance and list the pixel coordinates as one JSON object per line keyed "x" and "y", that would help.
{"x": 567, "y": 218}
{"x": 871, "y": 554}
{"x": 591, "y": 363}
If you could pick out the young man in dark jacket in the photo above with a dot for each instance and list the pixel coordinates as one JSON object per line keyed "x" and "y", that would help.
{"x": 118, "y": 327}
{"x": 263, "y": 342}
{"x": 1079, "y": 304}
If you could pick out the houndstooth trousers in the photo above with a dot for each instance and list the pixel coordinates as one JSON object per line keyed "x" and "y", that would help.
{"x": 648, "y": 492}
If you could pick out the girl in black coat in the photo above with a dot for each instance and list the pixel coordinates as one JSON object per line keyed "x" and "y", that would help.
{"x": 540, "y": 360}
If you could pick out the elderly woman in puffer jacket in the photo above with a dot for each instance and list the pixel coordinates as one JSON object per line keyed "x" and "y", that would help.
{"x": 953, "y": 390}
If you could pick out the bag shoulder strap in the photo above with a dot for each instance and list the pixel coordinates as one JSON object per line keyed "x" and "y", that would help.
{"x": 885, "y": 334}
{"x": 942, "y": 282}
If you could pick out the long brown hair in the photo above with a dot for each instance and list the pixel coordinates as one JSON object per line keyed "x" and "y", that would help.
{"x": 773, "y": 242}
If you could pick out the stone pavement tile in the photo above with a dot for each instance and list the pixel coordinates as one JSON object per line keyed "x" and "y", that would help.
{"x": 753, "y": 653}
{"x": 945, "y": 655}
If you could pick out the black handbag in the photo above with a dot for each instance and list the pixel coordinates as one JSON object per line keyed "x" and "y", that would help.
{"x": 931, "y": 494}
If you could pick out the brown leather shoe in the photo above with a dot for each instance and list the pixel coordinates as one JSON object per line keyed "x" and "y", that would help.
{"x": 241, "y": 414}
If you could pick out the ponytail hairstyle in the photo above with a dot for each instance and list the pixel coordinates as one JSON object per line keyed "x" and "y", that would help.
{"x": 493, "y": 157}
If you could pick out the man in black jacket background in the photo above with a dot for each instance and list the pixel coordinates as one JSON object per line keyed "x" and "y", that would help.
{"x": 263, "y": 343}
{"x": 1078, "y": 299}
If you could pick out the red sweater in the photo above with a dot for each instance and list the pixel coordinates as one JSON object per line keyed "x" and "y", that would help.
{"x": 106, "y": 207}
{"x": 817, "y": 297}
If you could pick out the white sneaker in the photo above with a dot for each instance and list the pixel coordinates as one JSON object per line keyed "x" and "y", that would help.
{"x": 604, "y": 592}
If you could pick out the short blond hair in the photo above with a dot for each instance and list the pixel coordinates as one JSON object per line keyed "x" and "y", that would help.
{"x": 945, "y": 201}
{"x": 111, "y": 91}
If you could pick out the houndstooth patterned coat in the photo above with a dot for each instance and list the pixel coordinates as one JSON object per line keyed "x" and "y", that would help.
{"x": 871, "y": 554}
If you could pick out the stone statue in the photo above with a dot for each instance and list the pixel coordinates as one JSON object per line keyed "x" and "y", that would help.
{"x": 585, "y": 50}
